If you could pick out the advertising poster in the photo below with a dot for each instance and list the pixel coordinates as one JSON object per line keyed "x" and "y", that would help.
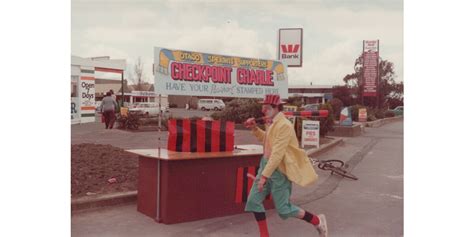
{"x": 310, "y": 133}
{"x": 370, "y": 67}
{"x": 179, "y": 72}
{"x": 362, "y": 115}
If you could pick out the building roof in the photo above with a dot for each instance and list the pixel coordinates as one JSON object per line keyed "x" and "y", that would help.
{"x": 99, "y": 62}
{"x": 144, "y": 87}
{"x": 311, "y": 86}
{"x": 108, "y": 81}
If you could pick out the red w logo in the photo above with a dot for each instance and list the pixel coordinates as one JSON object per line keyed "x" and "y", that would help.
{"x": 290, "y": 48}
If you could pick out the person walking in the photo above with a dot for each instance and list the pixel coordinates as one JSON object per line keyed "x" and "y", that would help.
{"x": 108, "y": 106}
{"x": 283, "y": 162}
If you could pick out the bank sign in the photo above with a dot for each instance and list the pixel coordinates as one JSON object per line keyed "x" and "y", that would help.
{"x": 290, "y": 46}
{"x": 179, "y": 72}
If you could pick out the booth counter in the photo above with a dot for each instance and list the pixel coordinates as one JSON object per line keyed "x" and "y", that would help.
{"x": 175, "y": 187}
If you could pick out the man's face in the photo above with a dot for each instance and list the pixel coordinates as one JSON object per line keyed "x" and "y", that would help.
{"x": 268, "y": 111}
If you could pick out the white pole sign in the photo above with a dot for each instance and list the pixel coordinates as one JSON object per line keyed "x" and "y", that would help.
{"x": 290, "y": 46}
{"x": 310, "y": 133}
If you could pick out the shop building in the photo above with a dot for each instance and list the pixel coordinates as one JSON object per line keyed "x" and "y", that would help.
{"x": 84, "y": 72}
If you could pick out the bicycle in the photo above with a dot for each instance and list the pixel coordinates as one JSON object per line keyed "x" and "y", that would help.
{"x": 335, "y": 166}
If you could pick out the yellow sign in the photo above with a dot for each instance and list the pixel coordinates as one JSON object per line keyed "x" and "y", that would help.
{"x": 362, "y": 115}
{"x": 123, "y": 111}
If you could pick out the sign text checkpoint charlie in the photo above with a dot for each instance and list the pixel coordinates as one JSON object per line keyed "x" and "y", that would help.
{"x": 219, "y": 75}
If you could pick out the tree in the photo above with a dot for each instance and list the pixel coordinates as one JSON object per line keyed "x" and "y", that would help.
{"x": 138, "y": 76}
{"x": 387, "y": 88}
{"x": 396, "y": 97}
{"x": 345, "y": 94}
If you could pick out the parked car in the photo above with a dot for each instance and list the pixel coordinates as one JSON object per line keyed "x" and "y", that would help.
{"x": 147, "y": 108}
{"x": 208, "y": 104}
{"x": 311, "y": 107}
{"x": 398, "y": 110}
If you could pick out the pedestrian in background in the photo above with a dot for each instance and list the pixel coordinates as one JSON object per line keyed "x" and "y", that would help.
{"x": 108, "y": 110}
{"x": 113, "y": 94}
{"x": 117, "y": 108}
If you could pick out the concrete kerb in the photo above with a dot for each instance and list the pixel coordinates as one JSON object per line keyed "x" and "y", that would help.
{"x": 380, "y": 122}
{"x": 325, "y": 147}
{"x": 97, "y": 201}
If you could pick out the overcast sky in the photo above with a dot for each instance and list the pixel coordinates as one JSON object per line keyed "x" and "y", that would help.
{"x": 333, "y": 31}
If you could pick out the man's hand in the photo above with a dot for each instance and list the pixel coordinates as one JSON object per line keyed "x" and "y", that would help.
{"x": 250, "y": 123}
{"x": 261, "y": 183}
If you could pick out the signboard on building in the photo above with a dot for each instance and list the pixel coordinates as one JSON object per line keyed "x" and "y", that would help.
{"x": 144, "y": 93}
{"x": 362, "y": 115}
{"x": 179, "y": 72}
{"x": 290, "y": 46}
{"x": 310, "y": 133}
{"x": 370, "y": 56}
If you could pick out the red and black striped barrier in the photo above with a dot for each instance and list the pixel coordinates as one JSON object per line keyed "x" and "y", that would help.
{"x": 244, "y": 183}
{"x": 186, "y": 135}
{"x": 320, "y": 113}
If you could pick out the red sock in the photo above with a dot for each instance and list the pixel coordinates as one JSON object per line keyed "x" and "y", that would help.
{"x": 313, "y": 219}
{"x": 262, "y": 226}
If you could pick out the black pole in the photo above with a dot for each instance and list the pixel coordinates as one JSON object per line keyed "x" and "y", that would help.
{"x": 122, "y": 91}
{"x": 378, "y": 75}
{"x": 362, "y": 75}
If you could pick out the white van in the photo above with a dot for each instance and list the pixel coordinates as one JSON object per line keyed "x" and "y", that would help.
{"x": 147, "y": 108}
{"x": 208, "y": 104}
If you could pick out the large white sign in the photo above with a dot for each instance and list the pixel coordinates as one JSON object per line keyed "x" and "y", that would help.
{"x": 370, "y": 67}
{"x": 179, "y": 72}
{"x": 310, "y": 133}
{"x": 371, "y": 46}
{"x": 290, "y": 46}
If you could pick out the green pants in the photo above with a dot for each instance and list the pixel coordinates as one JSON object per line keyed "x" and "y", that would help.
{"x": 280, "y": 188}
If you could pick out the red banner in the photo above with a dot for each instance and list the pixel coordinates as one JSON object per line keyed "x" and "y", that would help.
{"x": 185, "y": 135}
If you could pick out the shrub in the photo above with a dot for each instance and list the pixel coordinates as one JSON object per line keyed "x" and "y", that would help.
{"x": 379, "y": 113}
{"x": 239, "y": 110}
{"x": 371, "y": 118}
{"x": 131, "y": 121}
{"x": 326, "y": 124}
{"x": 374, "y": 114}
{"x": 337, "y": 107}
{"x": 389, "y": 114}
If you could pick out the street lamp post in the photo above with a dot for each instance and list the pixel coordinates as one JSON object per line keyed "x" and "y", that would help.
{"x": 122, "y": 91}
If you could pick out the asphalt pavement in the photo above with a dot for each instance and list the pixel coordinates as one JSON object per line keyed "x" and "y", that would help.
{"x": 370, "y": 206}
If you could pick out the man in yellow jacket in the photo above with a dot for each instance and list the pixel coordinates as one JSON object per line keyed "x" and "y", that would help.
{"x": 283, "y": 162}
